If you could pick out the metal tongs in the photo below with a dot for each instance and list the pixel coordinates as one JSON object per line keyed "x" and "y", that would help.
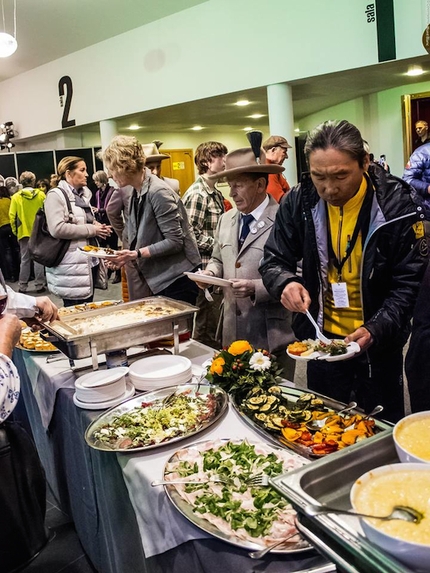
{"x": 62, "y": 325}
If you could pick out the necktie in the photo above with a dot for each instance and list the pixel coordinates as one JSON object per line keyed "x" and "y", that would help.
{"x": 246, "y": 221}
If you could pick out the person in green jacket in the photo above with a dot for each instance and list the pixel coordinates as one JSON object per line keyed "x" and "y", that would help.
{"x": 23, "y": 208}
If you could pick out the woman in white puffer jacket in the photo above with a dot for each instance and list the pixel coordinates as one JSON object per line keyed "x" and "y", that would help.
{"x": 73, "y": 279}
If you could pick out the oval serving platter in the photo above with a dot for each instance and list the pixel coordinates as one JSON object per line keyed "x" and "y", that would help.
{"x": 293, "y": 395}
{"x": 157, "y": 397}
{"x": 186, "y": 509}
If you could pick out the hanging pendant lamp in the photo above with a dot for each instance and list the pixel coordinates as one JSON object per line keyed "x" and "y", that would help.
{"x": 8, "y": 43}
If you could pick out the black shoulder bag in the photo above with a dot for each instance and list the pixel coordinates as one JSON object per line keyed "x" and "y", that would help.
{"x": 44, "y": 248}
{"x": 22, "y": 498}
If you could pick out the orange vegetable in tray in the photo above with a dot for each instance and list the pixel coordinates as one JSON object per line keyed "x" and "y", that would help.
{"x": 307, "y": 422}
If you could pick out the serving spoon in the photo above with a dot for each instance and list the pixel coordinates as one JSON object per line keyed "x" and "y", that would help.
{"x": 401, "y": 512}
{"x": 262, "y": 552}
{"x": 318, "y": 424}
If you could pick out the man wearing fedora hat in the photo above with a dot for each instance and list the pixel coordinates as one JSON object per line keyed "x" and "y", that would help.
{"x": 153, "y": 162}
{"x": 250, "y": 312}
{"x": 276, "y": 148}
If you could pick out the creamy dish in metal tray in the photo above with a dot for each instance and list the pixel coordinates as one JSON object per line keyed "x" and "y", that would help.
{"x": 120, "y": 317}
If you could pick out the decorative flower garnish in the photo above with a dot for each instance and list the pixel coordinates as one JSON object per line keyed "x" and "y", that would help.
{"x": 239, "y": 347}
{"x": 217, "y": 365}
{"x": 239, "y": 367}
{"x": 259, "y": 361}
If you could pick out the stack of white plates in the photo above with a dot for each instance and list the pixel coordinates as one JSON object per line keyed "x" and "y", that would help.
{"x": 102, "y": 388}
{"x": 156, "y": 372}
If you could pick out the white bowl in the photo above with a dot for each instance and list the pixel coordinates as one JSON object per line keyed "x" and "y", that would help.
{"x": 411, "y": 438}
{"x": 415, "y": 555}
{"x": 101, "y": 385}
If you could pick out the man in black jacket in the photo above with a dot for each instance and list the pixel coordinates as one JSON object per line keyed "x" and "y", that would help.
{"x": 358, "y": 235}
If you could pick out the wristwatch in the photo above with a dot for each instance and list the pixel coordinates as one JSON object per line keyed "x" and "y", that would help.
{"x": 139, "y": 254}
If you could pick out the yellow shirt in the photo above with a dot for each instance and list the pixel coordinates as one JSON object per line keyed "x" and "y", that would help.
{"x": 4, "y": 211}
{"x": 342, "y": 221}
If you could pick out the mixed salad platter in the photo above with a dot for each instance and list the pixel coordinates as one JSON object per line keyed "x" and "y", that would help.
{"x": 234, "y": 509}
{"x": 157, "y": 418}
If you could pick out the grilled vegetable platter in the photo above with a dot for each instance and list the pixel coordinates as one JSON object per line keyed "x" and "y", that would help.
{"x": 306, "y": 423}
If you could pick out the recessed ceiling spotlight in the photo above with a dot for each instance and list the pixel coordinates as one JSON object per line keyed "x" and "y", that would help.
{"x": 134, "y": 127}
{"x": 197, "y": 128}
{"x": 242, "y": 102}
{"x": 414, "y": 71}
{"x": 297, "y": 130}
{"x": 248, "y": 128}
{"x": 256, "y": 116}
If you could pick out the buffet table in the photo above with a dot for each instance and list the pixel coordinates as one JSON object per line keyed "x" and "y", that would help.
{"x": 125, "y": 525}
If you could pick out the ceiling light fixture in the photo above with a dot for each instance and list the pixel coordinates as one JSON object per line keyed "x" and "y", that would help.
{"x": 247, "y": 129}
{"x": 197, "y": 128}
{"x": 134, "y": 127}
{"x": 242, "y": 102}
{"x": 414, "y": 71}
{"x": 8, "y": 43}
{"x": 256, "y": 116}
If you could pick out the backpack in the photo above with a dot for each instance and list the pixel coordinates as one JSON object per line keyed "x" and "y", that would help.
{"x": 44, "y": 248}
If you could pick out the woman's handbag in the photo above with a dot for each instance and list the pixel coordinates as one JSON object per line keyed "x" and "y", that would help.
{"x": 101, "y": 277}
{"x": 44, "y": 248}
{"x": 22, "y": 498}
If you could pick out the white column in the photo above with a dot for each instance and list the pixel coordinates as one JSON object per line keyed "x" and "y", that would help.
{"x": 108, "y": 130}
{"x": 281, "y": 122}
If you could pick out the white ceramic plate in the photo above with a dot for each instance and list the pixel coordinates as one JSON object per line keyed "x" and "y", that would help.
{"x": 102, "y": 377}
{"x": 206, "y": 279}
{"x": 351, "y": 349}
{"x": 99, "y": 254}
{"x": 108, "y": 404}
{"x": 160, "y": 367}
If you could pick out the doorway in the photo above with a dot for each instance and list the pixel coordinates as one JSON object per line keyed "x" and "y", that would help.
{"x": 180, "y": 166}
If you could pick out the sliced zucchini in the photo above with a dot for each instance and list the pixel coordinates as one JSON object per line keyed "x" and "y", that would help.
{"x": 257, "y": 400}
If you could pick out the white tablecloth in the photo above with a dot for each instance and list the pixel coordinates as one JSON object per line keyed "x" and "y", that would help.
{"x": 48, "y": 376}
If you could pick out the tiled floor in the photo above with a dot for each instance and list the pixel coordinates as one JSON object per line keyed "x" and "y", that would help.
{"x": 63, "y": 553}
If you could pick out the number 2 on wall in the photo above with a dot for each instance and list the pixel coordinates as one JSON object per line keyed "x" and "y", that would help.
{"x": 65, "y": 86}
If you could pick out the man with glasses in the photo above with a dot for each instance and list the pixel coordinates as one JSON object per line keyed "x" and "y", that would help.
{"x": 276, "y": 148}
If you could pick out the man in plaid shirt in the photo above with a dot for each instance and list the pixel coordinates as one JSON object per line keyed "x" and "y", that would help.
{"x": 205, "y": 204}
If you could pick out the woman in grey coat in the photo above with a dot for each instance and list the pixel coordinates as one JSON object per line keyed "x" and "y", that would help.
{"x": 161, "y": 241}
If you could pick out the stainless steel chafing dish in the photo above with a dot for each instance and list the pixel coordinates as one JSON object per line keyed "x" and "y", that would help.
{"x": 77, "y": 346}
{"x": 329, "y": 480}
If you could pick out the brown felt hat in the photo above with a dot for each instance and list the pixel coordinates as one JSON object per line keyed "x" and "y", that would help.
{"x": 152, "y": 153}
{"x": 244, "y": 161}
{"x": 276, "y": 141}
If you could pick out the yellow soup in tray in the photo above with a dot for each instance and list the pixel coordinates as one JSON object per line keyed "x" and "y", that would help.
{"x": 379, "y": 494}
{"x": 413, "y": 436}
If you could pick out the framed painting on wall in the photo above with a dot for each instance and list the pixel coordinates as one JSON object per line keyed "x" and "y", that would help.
{"x": 416, "y": 114}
